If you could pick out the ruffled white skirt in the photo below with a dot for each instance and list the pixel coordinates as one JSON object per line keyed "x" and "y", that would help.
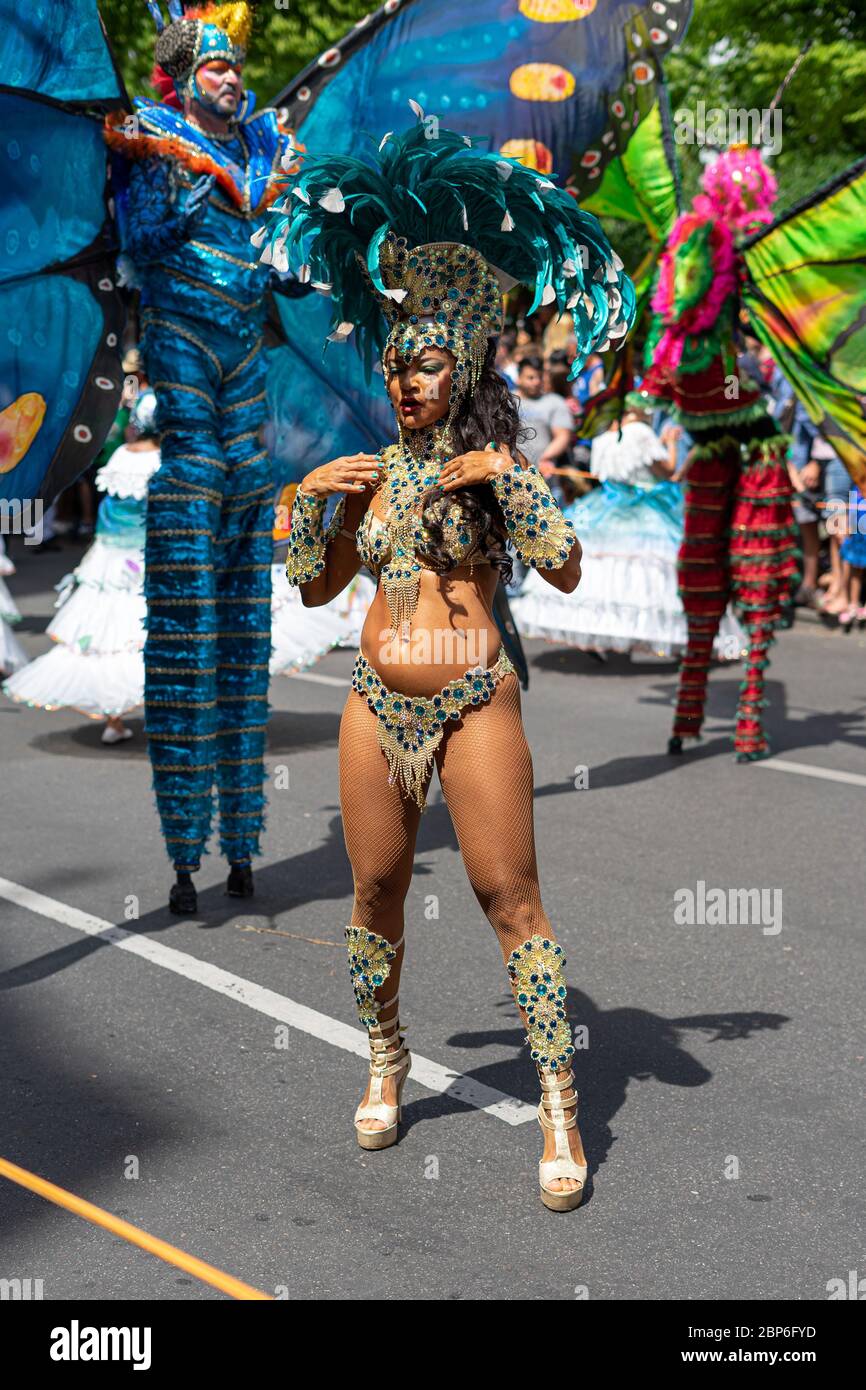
{"x": 8, "y": 607}
{"x": 627, "y": 599}
{"x": 12, "y": 654}
{"x": 96, "y": 664}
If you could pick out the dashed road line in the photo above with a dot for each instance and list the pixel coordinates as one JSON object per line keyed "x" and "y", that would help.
{"x": 827, "y": 774}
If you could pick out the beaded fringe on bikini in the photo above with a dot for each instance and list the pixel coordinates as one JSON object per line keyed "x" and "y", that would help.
{"x": 410, "y": 728}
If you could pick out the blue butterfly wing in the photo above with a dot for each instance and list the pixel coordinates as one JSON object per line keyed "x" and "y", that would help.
{"x": 60, "y": 310}
{"x": 501, "y": 71}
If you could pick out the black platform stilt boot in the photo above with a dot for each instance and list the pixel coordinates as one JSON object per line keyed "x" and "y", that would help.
{"x": 240, "y": 881}
{"x": 183, "y": 899}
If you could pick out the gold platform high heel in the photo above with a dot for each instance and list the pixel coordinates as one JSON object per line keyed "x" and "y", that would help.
{"x": 552, "y": 1116}
{"x": 388, "y": 1057}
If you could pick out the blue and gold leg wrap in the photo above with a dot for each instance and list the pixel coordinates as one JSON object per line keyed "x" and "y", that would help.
{"x": 243, "y": 584}
{"x": 537, "y": 976}
{"x": 207, "y": 583}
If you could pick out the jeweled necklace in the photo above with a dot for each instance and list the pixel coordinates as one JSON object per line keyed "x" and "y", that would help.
{"x": 415, "y": 466}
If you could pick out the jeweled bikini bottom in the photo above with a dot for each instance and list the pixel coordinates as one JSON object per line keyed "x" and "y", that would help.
{"x": 410, "y": 727}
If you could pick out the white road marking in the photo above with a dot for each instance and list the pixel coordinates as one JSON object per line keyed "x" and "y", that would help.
{"x": 828, "y": 774}
{"x": 266, "y": 1001}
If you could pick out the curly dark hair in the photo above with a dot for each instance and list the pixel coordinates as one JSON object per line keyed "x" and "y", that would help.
{"x": 488, "y": 415}
{"x": 175, "y": 48}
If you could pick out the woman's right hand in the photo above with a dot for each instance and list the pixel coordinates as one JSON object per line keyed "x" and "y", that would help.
{"x": 351, "y": 474}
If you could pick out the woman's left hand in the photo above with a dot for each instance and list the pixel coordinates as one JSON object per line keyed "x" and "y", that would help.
{"x": 478, "y": 466}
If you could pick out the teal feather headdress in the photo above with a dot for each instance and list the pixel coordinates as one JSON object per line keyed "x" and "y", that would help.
{"x": 428, "y": 238}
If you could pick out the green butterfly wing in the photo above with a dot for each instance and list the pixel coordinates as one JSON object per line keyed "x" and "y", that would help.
{"x": 806, "y": 296}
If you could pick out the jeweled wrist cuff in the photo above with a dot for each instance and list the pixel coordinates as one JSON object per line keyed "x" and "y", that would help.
{"x": 542, "y": 536}
{"x": 309, "y": 537}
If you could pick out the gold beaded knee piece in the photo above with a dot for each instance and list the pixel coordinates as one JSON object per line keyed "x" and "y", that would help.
{"x": 536, "y": 970}
{"x": 370, "y": 957}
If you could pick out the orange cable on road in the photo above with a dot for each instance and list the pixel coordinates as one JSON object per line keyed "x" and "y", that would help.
{"x": 226, "y": 1283}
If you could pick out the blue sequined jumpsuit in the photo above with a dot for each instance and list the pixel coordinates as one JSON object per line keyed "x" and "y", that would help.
{"x": 210, "y": 507}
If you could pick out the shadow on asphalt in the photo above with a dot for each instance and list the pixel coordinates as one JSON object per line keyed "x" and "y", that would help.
{"x": 289, "y": 731}
{"x": 627, "y": 1045}
{"x": 569, "y": 661}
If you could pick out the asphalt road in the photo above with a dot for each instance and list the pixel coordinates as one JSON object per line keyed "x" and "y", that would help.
{"x": 720, "y": 1088}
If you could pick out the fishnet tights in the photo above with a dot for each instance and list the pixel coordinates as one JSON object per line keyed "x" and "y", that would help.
{"x": 485, "y": 770}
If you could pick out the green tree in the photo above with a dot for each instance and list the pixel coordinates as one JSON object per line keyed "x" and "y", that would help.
{"x": 735, "y": 55}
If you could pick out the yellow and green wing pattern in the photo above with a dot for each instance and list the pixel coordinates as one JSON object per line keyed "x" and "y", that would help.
{"x": 805, "y": 293}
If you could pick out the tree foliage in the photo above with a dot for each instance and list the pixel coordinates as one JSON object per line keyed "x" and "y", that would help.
{"x": 736, "y": 54}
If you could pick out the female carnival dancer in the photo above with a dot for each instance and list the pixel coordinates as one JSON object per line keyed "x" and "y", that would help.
{"x": 416, "y": 241}
{"x": 740, "y": 535}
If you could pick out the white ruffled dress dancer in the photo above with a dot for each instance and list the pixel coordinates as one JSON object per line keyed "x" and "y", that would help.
{"x": 630, "y": 529}
{"x": 96, "y": 663}
{"x": 12, "y": 654}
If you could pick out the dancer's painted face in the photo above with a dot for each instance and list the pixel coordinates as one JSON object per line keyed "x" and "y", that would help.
{"x": 219, "y": 86}
{"x": 420, "y": 390}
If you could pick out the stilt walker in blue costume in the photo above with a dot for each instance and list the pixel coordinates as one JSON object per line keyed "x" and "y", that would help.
{"x": 199, "y": 170}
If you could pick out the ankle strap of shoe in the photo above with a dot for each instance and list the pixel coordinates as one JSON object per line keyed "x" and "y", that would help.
{"x": 391, "y": 1008}
{"x": 551, "y": 1090}
{"x": 555, "y": 1080}
{"x": 387, "y": 1049}
{"x": 384, "y": 1031}
{"x": 560, "y": 1116}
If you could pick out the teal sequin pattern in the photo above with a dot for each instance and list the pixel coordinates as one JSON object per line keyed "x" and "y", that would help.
{"x": 536, "y": 970}
{"x": 370, "y": 957}
{"x": 208, "y": 588}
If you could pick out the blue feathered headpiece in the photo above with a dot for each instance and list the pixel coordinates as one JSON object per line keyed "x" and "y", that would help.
{"x": 427, "y": 239}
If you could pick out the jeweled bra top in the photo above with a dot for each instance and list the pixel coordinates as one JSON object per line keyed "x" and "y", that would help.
{"x": 393, "y": 545}
{"x": 461, "y": 539}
